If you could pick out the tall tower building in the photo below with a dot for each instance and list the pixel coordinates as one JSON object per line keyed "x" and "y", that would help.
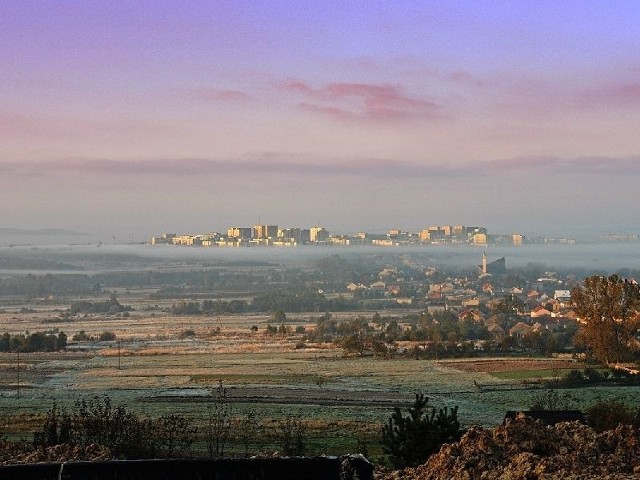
{"x": 318, "y": 234}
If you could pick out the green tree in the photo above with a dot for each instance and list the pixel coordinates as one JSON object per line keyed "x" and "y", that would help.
{"x": 609, "y": 308}
{"x": 410, "y": 440}
{"x": 279, "y": 316}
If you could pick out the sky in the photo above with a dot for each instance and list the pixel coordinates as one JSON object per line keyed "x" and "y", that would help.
{"x": 141, "y": 117}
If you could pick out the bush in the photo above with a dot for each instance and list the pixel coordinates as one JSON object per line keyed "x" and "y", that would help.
{"x": 97, "y": 421}
{"x": 218, "y": 426}
{"x": 593, "y": 376}
{"x": 574, "y": 377}
{"x": 125, "y": 433}
{"x": 174, "y": 435}
{"x": 107, "y": 336}
{"x": 292, "y": 437}
{"x": 187, "y": 333}
{"x": 551, "y": 399}
{"x": 608, "y": 414}
{"x": 410, "y": 440}
{"x": 81, "y": 336}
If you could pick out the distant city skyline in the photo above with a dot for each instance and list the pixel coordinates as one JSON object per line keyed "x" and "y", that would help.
{"x": 127, "y": 118}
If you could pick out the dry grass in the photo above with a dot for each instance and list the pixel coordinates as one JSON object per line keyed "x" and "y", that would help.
{"x": 508, "y": 364}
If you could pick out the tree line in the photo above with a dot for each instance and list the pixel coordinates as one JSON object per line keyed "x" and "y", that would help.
{"x": 33, "y": 342}
{"x": 303, "y": 301}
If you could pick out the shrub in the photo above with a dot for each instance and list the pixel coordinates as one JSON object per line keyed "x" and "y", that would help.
{"x": 574, "y": 377}
{"x": 174, "y": 435}
{"x": 551, "y": 399}
{"x": 593, "y": 376}
{"x": 249, "y": 432}
{"x": 410, "y": 440}
{"x": 608, "y": 414}
{"x": 107, "y": 336}
{"x": 125, "y": 433}
{"x": 81, "y": 336}
{"x": 291, "y": 434}
{"x": 187, "y": 333}
{"x": 97, "y": 421}
{"x": 218, "y": 425}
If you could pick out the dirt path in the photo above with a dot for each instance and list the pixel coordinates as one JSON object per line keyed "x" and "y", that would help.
{"x": 298, "y": 396}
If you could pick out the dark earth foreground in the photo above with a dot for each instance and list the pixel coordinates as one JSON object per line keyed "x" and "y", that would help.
{"x": 526, "y": 449}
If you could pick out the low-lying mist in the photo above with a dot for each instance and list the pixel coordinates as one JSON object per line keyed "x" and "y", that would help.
{"x": 604, "y": 258}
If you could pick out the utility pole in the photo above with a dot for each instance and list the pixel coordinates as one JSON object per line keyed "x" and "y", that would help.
{"x": 119, "y": 356}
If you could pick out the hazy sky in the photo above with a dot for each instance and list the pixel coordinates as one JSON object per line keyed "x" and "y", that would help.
{"x": 152, "y": 116}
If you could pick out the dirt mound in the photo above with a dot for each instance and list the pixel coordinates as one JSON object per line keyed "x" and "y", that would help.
{"x": 16, "y": 452}
{"x": 526, "y": 449}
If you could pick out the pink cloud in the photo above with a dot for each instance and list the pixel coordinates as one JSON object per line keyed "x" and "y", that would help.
{"x": 333, "y": 112}
{"x": 611, "y": 95}
{"x": 220, "y": 95}
{"x": 297, "y": 86}
{"x": 361, "y": 101}
{"x": 542, "y": 98}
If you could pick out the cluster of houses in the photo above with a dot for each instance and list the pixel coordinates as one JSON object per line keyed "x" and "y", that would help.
{"x": 537, "y": 311}
{"x": 541, "y": 305}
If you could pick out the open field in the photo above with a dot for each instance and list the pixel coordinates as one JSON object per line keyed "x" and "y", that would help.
{"x": 164, "y": 363}
{"x": 155, "y": 372}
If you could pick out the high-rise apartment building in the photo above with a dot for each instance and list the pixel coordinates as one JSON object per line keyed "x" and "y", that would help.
{"x": 239, "y": 232}
{"x": 265, "y": 231}
{"x": 318, "y": 234}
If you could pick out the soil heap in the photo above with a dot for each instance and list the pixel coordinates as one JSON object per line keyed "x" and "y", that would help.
{"x": 20, "y": 452}
{"x": 527, "y": 449}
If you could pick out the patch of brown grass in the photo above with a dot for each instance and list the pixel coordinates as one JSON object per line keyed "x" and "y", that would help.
{"x": 507, "y": 364}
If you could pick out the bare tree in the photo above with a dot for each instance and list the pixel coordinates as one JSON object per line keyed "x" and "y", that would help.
{"x": 218, "y": 425}
{"x": 249, "y": 432}
{"x": 174, "y": 435}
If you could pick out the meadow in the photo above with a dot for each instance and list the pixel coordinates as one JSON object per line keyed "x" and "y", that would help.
{"x": 155, "y": 370}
